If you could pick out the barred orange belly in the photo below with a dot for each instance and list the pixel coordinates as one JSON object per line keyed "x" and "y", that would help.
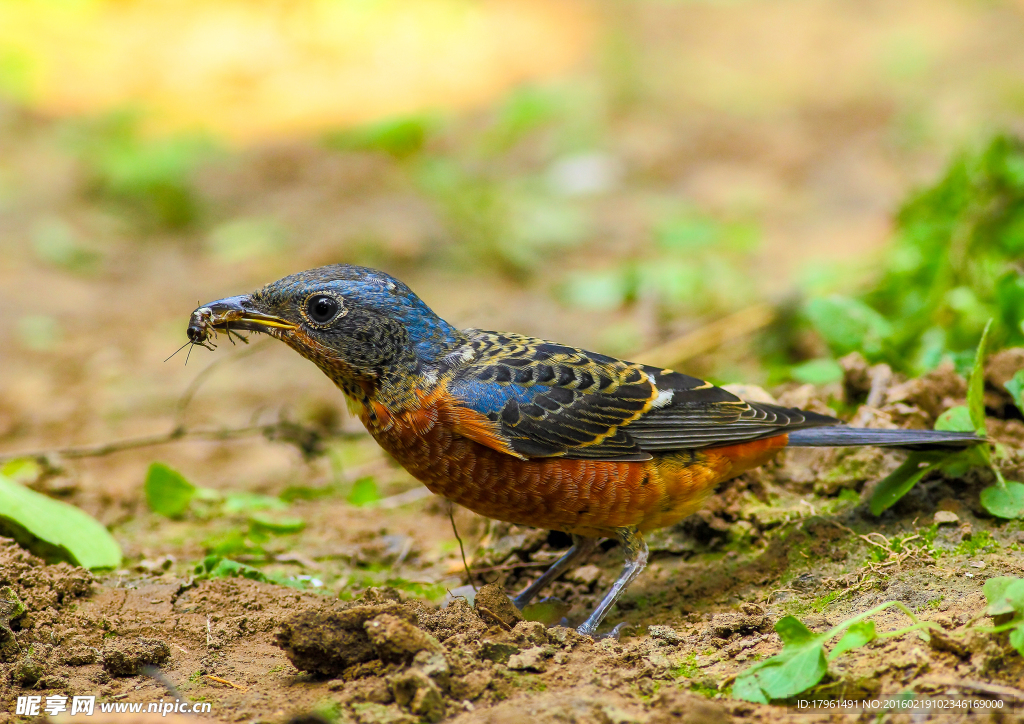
{"x": 586, "y": 497}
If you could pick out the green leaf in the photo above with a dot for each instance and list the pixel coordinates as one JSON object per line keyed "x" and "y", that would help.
{"x": 276, "y": 524}
{"x": 976, "y": 384}
{"x": 1017, "y": 639}
{"x": 1004, "y": 501}
{"x": 957, "y": 419}
{"x": 793, "y": 632}
{"x": 802, "y": 662}
{"x": 849, "y": 325}
{"x": 54, "y": 529}
{"x": 21, "y": 470}
{"x": 748, "y": 688}
{"x": 856, "y": 636}
{"x": 796, "y": 669}
{"x": 1015, "y": 386}
{"x": 817, "y": 372}
{"x": 167, "y": 491}
{"x": 1005, "y": 594}
{"x": 218, "y": 567}
{"x": 899, "y": 482}
{"x": 242, "y": 502}
{"x": 364, "y": 491}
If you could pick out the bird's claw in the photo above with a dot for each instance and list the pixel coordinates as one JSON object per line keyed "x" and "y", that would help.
{"x": 615, "y": 634}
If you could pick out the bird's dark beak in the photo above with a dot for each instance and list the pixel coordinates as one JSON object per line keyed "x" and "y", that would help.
{"x": 234, "y": 313}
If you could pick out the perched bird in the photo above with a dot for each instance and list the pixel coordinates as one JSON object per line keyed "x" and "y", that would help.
{"x": 525, "y": 430}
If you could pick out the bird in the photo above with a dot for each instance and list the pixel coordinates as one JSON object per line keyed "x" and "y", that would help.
{"x": 525, "y": 430}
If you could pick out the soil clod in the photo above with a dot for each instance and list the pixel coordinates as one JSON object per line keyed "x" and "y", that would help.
{"x": 126, "y": 658}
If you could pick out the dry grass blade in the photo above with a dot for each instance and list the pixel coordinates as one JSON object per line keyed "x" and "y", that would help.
{"x": 709, "y": 337}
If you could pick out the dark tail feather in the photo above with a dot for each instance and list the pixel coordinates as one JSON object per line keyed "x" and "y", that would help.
{"x": 843, "y": 435}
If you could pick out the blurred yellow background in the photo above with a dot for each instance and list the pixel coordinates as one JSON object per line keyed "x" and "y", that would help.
{"x": 252, "y": 70}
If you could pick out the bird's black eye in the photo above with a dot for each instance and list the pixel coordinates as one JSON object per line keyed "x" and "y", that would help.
{"x": 322, "y": 308}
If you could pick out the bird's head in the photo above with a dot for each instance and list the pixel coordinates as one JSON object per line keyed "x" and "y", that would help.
{"x": 357, "y": 324}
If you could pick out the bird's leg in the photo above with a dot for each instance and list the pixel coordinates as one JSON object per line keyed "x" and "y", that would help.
{"x": 636, "y": 553}
{"x": 580, "y": 547}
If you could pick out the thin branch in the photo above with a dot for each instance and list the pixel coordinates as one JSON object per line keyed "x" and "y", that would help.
{"x": 175, "y": 435}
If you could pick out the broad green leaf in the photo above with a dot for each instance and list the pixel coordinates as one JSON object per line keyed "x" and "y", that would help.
{"x": 748, "y": 688}
{"x": 277, "y": 524}
{"x": 856, "y": 636}
{"x": 21, "y": 470}
{"x": 1017, "y": 639}
{"x": 242, "y": 502}
{"x": 793, "y": 632}
{"x": 899, "y": 482}
{"x": 796, "y": 669}
{"x": 956, "y": 464}
{"x": 1004, "y": 594}
{"x": 976, "y": 384}
{"x": 849, "y": 325}
{"x": 1015, "y": 387}
{"x": 218, "y": 567}
{"x": 229, "y": 543}
{"x": 167, "y": 491}
{"x": 956, "y": 419}
{"x": 364, "y": 491}
{"x": 1004, "y": 501}
{"x": 55, "y": 530}
{"x": 817, "y": 371}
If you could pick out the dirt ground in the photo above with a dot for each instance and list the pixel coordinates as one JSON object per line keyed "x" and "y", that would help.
{"x": 793, "y": 538}
{"x": 809, "y": 120}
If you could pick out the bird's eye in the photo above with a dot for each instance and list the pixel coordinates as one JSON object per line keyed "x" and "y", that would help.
{"x": 322, "y": 308}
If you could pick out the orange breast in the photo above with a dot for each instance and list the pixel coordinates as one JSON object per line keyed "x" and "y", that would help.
{"x": 586, "y": 497}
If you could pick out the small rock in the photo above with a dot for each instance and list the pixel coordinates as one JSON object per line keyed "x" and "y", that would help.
{"x": 126, "y": 658}
{"x": 395, "y": 639}
{"x": 28, "y": 670}
{"x": 370, "y": 689}
{"x": 385, "y": 594}
{"x": 325, "y": 643}
{"x": 53, "y": 681}
{"x": 531, "y": 632}
{"x": 530, "y": 660}
{"x": 946, "y": 517}
{"x": 942, "y": 641}
{"x": 584, "y": 575}
{"x": 418, "y": 694}
{"x": 564, "y": 636}
{"x": 434, "y": 665}
{"x": 665, "y": 634}
{"x": 724, "y": 625}
{"x": 492, "y": 599}
{"x": 472, "y": 685}
{"x": 372, "y": 713}
{"x": 79, "y": 656}
{"x": 497, "y": 651}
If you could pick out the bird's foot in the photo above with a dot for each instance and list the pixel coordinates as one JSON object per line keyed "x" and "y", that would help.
{"x": 615, "y": 634}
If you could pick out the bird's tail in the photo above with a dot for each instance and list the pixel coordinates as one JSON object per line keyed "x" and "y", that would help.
{"x": 843, "y": 435}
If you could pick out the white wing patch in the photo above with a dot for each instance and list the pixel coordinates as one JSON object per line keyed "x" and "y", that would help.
{"x": 664, "y": 398}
